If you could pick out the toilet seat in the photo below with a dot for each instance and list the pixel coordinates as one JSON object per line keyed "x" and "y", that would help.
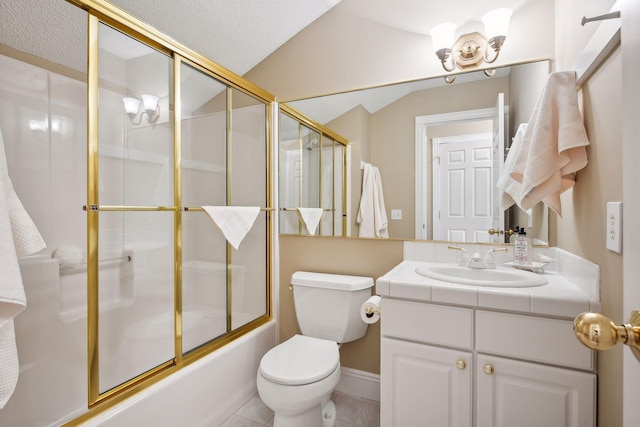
{"x": 300, "y": 360}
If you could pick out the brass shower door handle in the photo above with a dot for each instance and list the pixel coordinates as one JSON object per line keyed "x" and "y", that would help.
{"x": 598, "y": 332}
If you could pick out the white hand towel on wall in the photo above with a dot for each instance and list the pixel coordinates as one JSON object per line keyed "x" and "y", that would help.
{"x": 511, "y": 188}
{"x": 18, "y": 236}
{"x": 234, "y": 221}
{"x": 372, "y": 214}
{"x": 311, "y": 218}
{"x": 554, "y": 145}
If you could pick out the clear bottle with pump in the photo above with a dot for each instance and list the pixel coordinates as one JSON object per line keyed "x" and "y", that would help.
{"x": 521, "y": 247}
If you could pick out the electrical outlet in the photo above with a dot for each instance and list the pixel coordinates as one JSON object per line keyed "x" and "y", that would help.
{"x": 396, "y": 214}
{"x": 614, "y": 226}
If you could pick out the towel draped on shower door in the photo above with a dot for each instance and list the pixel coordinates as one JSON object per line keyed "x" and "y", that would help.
{"x": 18, "y": 237}
{"x": 553, "y": 147}
{"x": 372, "y": 215}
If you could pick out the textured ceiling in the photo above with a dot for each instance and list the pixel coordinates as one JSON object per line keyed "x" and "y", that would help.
{"x": 236, "y": 34}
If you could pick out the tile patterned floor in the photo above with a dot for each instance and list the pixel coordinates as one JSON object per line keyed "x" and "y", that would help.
{"x": 351, "y": 411}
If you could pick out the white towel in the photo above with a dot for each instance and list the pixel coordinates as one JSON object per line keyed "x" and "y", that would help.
{"x": 554, "y": 145}
{"x": 372, "y": 214}
{"x": 234, "y": 221}
{"x": 18, "y": 236}
{"x": 311, "y": 218}
{"x": 512, "y": 189}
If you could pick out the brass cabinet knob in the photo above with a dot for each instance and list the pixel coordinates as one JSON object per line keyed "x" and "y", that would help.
{"x": 461, "y": 364}
{"x": 488, "y": 369}
{"x": 598, "y": 332}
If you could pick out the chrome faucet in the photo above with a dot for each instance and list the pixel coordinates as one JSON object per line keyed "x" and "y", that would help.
{"x": 475, "y": 260}
{"x": 488, "y": 259}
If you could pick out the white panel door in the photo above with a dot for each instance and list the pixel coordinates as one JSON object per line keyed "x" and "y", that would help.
{"x": 422, "y": 386}
{"x": 464, "y": 188}
{"x": 290, "y": 188}
{"x": 529, "y": 395}
{"x": 630, "y": 17}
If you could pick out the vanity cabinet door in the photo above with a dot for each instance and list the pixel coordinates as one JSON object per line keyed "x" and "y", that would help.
{"x": 423, "y": 385}
{"x": 513, "y": 393}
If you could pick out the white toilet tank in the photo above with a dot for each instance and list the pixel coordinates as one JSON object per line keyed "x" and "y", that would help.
{"x": 328, "y": 305}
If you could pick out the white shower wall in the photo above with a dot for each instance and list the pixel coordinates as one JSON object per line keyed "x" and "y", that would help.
{"x": 43, "y": 121}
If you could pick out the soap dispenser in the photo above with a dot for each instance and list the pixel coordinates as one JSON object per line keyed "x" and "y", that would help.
{"x": 521, "y": 247}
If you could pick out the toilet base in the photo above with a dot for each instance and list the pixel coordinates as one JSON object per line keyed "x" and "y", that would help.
{"x": 312, "y": 417}
{"x": 329, "y": 414}
{"x": 295, "y": 406}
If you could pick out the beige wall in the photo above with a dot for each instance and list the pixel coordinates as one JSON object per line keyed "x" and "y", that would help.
{"x": 360, "y": 257}
{"x": 340, "y": 52}
{"x": 582, "y": 228}
{"x": 362, "y": 63}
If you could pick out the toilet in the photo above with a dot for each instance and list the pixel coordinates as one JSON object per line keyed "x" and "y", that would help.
{"x": 296, "y": 378}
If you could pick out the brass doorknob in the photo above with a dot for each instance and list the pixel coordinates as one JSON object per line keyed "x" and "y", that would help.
{"x": 493, "y": 231}
{"x": 598, "y": 332}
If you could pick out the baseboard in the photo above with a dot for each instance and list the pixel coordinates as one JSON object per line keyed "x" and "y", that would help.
{"x": 359, "y": 383}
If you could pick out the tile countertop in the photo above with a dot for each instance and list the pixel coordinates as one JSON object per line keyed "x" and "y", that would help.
{"x": 565, "y": 295}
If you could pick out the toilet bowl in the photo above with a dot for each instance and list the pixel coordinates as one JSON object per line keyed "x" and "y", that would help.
{"x": 296, "y": 378}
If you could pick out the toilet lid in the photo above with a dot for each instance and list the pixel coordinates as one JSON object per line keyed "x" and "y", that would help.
{"x": 300, "y": 360}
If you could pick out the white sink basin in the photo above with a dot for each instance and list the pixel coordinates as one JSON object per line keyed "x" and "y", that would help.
{"x": 499, "y": 277}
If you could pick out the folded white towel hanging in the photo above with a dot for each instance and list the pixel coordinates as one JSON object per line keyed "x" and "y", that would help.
{"x": 554, "y": 145}
{"x": 234, "y": 221}
{"x": 372, "y": 214}
{"x": 311, "y": 218}
{"x": 512, "y": 189}
{"x": 18, "y": 236}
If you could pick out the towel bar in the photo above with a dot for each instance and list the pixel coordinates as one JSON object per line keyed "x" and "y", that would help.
{"x": 295, "y": 209}
{"x": 199, "y": 208}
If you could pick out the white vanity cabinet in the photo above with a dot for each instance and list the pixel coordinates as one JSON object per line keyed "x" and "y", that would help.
{"x": 515, "y": 393}
{"x": 457, "y": 366}
{"x": 425, "y": 385}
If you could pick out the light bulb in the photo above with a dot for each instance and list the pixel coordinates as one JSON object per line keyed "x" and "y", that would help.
{"x": 443, "y": 36}
{"x": 150, "y": 102}
{"x": 131, "y": 106}
{"x": 496, "y": 22}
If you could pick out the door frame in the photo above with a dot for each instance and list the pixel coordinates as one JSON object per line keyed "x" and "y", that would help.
{"x": 422, "y": 169}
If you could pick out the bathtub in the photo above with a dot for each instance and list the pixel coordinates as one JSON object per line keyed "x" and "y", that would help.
{"x": 204, "y": 393}
{"x": 51, "y": 339}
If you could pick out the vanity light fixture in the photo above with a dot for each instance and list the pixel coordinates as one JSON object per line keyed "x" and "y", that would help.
{"x": 151, "y": 108}
{"x": 471, "y": 50}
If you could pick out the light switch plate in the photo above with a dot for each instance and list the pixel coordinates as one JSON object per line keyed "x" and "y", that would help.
{"x": 614, "y": 226}
{"x": 396, "y": 214}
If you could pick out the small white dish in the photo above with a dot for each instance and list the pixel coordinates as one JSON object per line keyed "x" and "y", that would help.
{"x": 529, "y": 266}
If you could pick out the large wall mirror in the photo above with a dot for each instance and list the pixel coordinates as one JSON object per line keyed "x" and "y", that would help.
{"x": 408, "y": 130}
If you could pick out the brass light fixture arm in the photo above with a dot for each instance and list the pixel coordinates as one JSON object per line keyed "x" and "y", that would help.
{"x": 496, "y": 44}
{"x": 444, "y": 54}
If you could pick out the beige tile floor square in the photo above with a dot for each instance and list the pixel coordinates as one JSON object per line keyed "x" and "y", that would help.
{"x": 351, "y": 411}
